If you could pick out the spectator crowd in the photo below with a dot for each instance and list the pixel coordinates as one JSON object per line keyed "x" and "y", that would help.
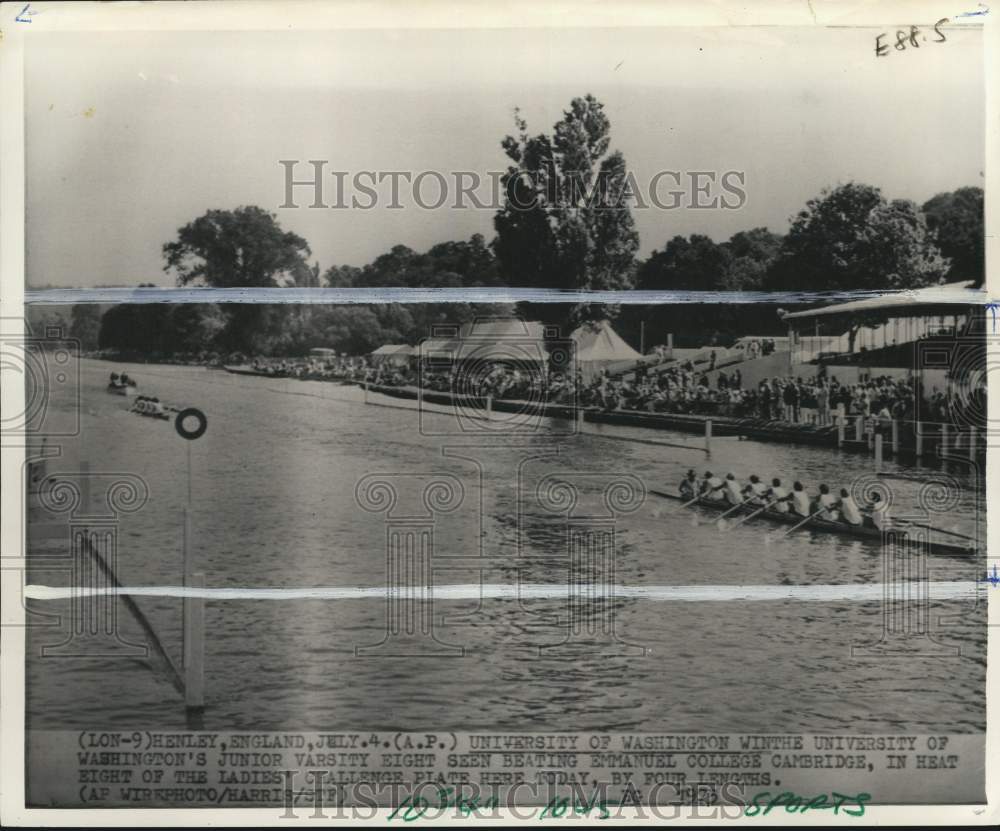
{"x": 679, "y": 388}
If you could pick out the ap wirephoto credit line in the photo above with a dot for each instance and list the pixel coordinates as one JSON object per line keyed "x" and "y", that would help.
{"x": 423, "y": 414}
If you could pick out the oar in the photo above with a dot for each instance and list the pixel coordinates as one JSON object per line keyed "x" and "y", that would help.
{"x": 721, "y": 521}
{"x": 688, "y": 504}
{"x": 800, "y": 524}
{"x": 734, "y": 508}
{"x": 657, "y": 512}
{"x": 935, "y": 528}
{"x": 759, "y": 510}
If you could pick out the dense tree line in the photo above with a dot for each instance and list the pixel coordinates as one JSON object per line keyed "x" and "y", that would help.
{"x": 566, "y": 223}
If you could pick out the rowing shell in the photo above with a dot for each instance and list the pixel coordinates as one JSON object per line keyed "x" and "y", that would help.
{"x": 815, "y": 524}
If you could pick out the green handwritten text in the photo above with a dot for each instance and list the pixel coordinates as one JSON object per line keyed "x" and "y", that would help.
{"x": 763, "y": 803}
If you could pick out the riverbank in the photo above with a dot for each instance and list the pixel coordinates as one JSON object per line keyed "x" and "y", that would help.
{"x": 928, "y": 443}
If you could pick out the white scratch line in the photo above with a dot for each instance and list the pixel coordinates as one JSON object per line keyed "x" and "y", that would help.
{"x": 483, "y": 294}
{"x": 861, "y": 592}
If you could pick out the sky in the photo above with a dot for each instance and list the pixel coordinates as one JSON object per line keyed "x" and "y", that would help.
{"x": 131, "y": 135}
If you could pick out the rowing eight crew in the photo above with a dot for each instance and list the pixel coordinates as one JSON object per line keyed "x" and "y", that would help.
{"x": 778, "y": 498}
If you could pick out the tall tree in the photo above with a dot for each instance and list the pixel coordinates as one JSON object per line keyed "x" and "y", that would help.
{"x": 141, "y": 328}
{"x": 695, "y": 264}
{"x": 566, "y": 221}
{"x": 242, "y": 247}
{"x": 446, "y": 265}
{"x": 957, "y": 222}
{"x": 751, "y": 255}
{"x": 852, "y": 238}
{"x": 341, "y": 276}
{"x": 85, "y": 325}
{"x": 684, "y": 264}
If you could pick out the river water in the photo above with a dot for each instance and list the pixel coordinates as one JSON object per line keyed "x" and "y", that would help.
{"x": 273, "y": 504}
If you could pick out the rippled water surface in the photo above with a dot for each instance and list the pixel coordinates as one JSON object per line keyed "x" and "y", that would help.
{"x": 273, "y": 488}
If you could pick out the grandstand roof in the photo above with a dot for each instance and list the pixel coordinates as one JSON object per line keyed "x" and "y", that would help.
{"x": 946, "y": 299}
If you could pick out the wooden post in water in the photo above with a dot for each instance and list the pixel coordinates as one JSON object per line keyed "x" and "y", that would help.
{"x": 193, "y": 623}
{"x": 185, "y": 582}
{"x": 708, "y": 435}
{"x": 919, "y": 436}
{"x": 943, "y": 444}
{"x": 194, "y": 647}
{"x": 895, "y": 438}
{"x": 364, "y": 386}
{"x": 489, "y": 408}
{"x": 878, "y": 451}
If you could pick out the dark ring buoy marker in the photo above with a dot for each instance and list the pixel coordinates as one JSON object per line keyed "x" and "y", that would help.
{"x": 199, "y": 431}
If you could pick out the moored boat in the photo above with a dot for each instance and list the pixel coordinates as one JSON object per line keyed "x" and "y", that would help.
{"x": 121, "y": 389}
{"x": 150, "y": 409}
{"x": 817, "y": 524}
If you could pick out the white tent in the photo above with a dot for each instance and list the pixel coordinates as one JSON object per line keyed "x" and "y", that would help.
{"x": 393, "y": 354}
{"x": 599, "y": 347}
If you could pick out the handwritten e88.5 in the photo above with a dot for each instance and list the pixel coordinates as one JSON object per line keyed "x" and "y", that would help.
{"x": 911, "y": 38}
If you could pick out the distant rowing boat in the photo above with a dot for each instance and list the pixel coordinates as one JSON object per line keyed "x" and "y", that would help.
{"x": 815, "y": 524}
{"x": 119, "y": 389}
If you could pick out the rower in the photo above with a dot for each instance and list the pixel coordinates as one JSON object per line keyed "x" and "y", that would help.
{"x": 755, "y": 490}
{"x": 688, "y": 484}
{"x": 800, "y": 500}
{"x": 711, "y": 487}
{"x": 879, "y": 517}
{"x": 732, "y": 490}
{"x": 778, "y": 496}
{"x": 826, "y": 505}
{"x": 849, "y": 508}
